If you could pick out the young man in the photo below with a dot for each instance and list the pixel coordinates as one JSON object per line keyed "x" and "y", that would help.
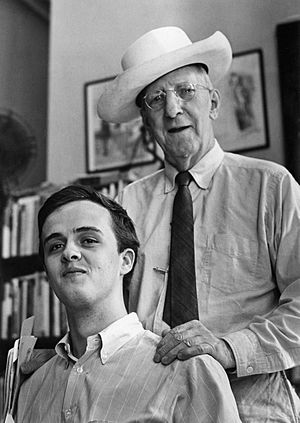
{"x": 103, "y": 369}
{"x": 239, "y": 299}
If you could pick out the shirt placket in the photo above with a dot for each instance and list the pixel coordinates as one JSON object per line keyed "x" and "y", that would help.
{"x": 74, "y": 388}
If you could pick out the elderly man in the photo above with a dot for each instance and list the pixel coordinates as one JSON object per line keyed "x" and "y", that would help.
{"x": 229, "y": 286}
{"x": 103, "y": 370}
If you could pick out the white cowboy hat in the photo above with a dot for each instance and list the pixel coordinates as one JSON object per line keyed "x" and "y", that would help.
{"x": 151, "y": 56}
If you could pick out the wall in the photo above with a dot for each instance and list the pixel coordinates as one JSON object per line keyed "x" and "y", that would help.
{"x": 24, "y": 40}
{"x": 87, "y": 43}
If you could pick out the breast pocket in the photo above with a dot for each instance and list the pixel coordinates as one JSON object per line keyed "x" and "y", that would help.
{"x": 233, "y": 263}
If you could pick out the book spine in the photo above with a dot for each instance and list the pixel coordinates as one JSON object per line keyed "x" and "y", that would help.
{"x": 15, "y": 293}
{"x": 6, "y": 231}
{"x": 6, "y": 311}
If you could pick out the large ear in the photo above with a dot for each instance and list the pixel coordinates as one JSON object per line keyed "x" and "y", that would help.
{"x": 127, "y": 260}
{"x": 215, "y": 99}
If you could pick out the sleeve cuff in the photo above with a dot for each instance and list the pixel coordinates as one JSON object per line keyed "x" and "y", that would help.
{"x": 246, "y": 350}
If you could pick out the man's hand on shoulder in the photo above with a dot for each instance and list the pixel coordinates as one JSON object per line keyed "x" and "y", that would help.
{"x": 191, "y": 339}
{"x": 38, "y": 358}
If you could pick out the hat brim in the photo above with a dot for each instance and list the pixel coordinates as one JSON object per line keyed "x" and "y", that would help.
{"x": 117, "y": 102}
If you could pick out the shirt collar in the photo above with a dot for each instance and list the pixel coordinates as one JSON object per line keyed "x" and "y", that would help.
{"x": 202, "y": 172}
{"x": 119, "y": 333}
{"x": 63, "y": 348}
{"x": 112, "y": 338}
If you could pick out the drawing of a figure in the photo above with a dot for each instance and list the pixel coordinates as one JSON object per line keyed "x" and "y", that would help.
{"x": 104, "y": 135}
{"x": 243, "y": 91}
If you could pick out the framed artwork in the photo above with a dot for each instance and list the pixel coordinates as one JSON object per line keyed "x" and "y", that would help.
{"x": 242, "y": 121}
{"x": 109, "y": 145}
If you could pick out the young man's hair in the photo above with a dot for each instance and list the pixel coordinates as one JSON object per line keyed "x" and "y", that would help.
{"x": 122, "y": 225}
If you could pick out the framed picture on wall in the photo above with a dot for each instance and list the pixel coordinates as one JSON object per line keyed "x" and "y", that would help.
{"x": 242, "y": 121}
{"x": 109, "y": 145}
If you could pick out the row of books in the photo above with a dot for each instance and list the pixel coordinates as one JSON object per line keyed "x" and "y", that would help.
{"x": 19, "y": 234}
{"x": 19, "y": 231}
{"x": 19, "y": 221}
{"x": 28, "y": 296}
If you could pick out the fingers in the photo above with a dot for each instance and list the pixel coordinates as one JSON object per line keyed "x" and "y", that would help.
{"x": 173, "y": 354}
{"x": 183, "y": 351}
{"x": 173, "y": 342}
{"x": 194, "y": 350}
{"x": 188, "y": 325}
{"x": 166, "y": 344}
{"x": 188, "y": 352}
{"x": 190, "y": 329}
{"x": 185, "y": 341}
{"x": 173, "y": 337}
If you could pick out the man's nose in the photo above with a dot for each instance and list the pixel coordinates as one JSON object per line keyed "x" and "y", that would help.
{"x": 71, "y": 253}
{"x": 173, "y": 104}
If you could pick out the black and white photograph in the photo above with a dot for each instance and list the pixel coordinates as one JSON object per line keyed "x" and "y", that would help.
{"x": 149, "y": 211}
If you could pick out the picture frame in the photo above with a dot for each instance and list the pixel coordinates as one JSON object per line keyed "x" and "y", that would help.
{"x": 242, "y": 123}
{"x": 111, "y": 146}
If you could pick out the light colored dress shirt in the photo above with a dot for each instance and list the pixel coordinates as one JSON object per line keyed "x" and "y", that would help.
{"x": 121, "y": 383}
{"x": 247, "y": 252}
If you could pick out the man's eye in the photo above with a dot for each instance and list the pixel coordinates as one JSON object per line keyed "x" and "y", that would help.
{"x": 186, "y": 90}
{"x": 89, "y": 241}
{"x": 156, "y": 98}
{"x": 56, "y": 246}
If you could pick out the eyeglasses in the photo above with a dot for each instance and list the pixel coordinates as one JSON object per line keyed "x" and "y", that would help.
{"x": 156, "y": 100}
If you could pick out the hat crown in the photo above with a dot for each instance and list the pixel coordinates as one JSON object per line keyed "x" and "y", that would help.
{"x": 154, "y": 44}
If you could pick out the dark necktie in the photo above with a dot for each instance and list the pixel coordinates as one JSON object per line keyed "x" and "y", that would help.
{"x": 181, "y": 299}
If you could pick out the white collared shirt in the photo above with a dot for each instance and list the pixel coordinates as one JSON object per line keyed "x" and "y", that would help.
{"x": 121, "y": 383}
{"x": 247, "y": 252}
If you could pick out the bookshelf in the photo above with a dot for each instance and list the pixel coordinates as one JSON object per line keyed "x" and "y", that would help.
{"x": 22, "y": 268}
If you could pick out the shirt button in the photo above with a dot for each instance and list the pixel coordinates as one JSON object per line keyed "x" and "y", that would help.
{"x": 249, "y": 369}
{"x": 68, "y": 413}
{"x": 79, "y": 370}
